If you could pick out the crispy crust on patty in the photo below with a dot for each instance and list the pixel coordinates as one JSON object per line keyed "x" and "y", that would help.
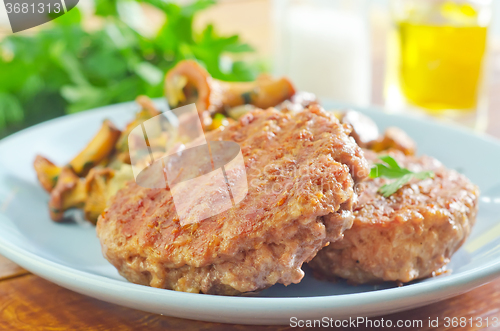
{"x": 410, "y": 235}
{"x": 299, "y": 167}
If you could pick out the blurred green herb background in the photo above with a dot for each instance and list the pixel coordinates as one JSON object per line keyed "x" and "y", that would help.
{"x": 65, "y": 69}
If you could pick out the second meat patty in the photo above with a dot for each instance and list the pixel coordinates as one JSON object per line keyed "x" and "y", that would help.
{"x": 410, "y": 235}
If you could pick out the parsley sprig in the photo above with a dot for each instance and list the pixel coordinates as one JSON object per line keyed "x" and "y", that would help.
{"x": 392, "y": 170}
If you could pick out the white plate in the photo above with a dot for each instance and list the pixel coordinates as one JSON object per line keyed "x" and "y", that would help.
{"x": 69, "y": 254}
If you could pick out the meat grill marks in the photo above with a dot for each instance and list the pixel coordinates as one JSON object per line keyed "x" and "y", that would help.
{"x": 299, "y": 167}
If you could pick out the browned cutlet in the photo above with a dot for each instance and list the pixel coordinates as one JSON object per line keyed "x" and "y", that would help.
{"x": 410, "y": 235}
{"x": 301, "y": 171}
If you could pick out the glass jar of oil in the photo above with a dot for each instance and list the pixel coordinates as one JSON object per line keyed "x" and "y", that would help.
{"x": 437, "y": 59}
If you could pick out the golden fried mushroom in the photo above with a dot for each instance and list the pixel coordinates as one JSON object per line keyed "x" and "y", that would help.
{"x": 47, "y": 172}
{"x": 366, "y": 134}
{"x": 98, "y": 151}
{"x": 394, "y": 138}
{"x": 123, "y": 174}
{"x": 101, "y": 184}
{"x": 364, "y": 129}
{"x": 96, "y": 185}
{"x": 188, "y": 83}
{"x": 101, "y": 146}
{"x": 263, "y": 93}
{"x": 69, "y": 192}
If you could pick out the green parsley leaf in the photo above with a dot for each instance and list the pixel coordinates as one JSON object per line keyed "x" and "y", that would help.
{"x": 392, "y": 170}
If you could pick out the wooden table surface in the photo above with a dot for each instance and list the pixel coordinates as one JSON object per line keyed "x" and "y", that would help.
{"x": 28, "y": 302}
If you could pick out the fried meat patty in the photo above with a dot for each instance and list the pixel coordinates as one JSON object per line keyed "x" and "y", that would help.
{"x": 301, "y": 170}
{"x": 409, "y": 235}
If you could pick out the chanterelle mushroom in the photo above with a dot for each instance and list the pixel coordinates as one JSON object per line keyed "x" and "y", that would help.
{"x": 395, "y": 138}
{"x": 101, "y": 184}
{"x": 47, "y": 172}
{"x": 364, "y": 129}
{"x": 96, "y": 185}
{"x": 97, "y": 150}
{"x": 69, "y": 192}
{"x": 188, "y": 82}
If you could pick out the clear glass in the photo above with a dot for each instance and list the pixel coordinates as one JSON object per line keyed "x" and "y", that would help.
{"x": 323, "y": 46}
{"x": 437, "y": 59}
